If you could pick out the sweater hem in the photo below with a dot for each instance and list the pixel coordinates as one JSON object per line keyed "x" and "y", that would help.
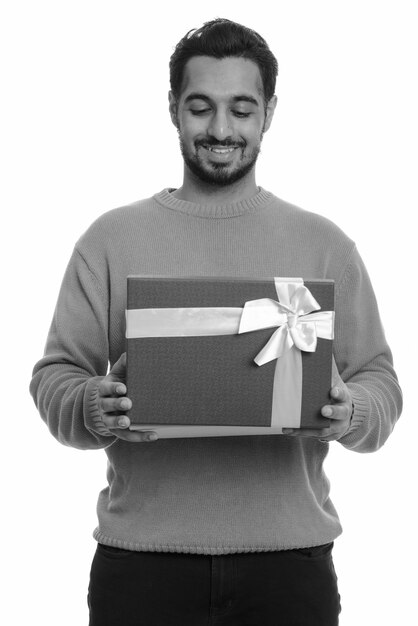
{"x": 202, "y": 549}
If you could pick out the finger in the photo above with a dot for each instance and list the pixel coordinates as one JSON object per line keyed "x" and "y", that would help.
{"x": 134, "y": 436}
{"x": 324, "y": 436}
{"x": 319, "y": 433}
{"x": 337, "y": 411}
{"x": 108, "y": 387}
{"x": 335, "y": 376}
{"x": 118, "y": 371}
{"x": 110, "y": 405}
{"x": 116, "y": 421}
{"x": 340, "y": 393}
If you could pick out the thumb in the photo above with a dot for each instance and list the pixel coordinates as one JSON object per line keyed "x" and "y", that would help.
{"x": 336, "y": 378}
{"x": 118, "y": 371}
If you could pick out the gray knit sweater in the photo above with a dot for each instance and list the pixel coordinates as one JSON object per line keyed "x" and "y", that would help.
{"x": 223, "y": 494}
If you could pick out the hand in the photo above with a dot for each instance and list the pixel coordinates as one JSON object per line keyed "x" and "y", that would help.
{"x": 113, "y": 402}
{"x": 339, "y": 411}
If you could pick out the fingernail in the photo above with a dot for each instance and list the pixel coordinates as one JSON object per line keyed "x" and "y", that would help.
{"x": 120, "y": 389}
{"x": 123, "y": 422}
{"x": 336, "y": 391}
{"x": 152, "y": 437}
{"x": 125, "y": 404}
{"x": 326, "y": 411}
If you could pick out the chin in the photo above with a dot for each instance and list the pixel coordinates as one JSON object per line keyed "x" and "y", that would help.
{"x": 219, "y": 175}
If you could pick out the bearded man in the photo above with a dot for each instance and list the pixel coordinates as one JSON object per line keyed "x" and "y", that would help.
{"x": 216, "y": 530}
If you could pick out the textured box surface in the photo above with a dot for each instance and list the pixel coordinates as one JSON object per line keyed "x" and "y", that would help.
{"x": 213, "y": 380}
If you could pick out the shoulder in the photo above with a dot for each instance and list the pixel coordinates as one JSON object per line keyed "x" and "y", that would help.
{"x": 104, "y": 243}
{"x": 313, "y": 224}
{"x": 315, "y": 243}
{"x": 120, "y": 217}
{"x": 114, "y": 225}
{"x": 317, "y": 237}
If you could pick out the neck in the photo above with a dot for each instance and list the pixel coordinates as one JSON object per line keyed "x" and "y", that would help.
{"x": 199, "y": 192}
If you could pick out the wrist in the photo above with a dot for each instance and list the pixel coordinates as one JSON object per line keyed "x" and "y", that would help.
{"x": 92, "y": 415}
{"x": 359, "y": 409}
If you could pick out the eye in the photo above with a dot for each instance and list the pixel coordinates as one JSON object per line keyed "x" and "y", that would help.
{"x": 241, "y": 114}
{"x": 199, "y": 111}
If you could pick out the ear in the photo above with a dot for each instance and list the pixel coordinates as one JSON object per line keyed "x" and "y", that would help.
{"x": 271, "y": 106}
{"x": 173, "y": 108}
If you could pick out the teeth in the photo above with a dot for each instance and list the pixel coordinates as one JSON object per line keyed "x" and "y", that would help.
{"x": 221, "y": 150}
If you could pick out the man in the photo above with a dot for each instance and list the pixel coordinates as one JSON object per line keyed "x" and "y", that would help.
{"x": 225, "y": 530}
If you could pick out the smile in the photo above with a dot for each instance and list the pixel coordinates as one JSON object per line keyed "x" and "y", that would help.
{"x": 218, "y": 150}
{"x": 221, "y": 150}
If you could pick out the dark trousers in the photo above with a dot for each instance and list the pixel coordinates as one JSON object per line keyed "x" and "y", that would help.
{"x": 283, "y": 588}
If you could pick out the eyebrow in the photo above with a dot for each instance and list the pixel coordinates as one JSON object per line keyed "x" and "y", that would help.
{"x": 238, "y": 98}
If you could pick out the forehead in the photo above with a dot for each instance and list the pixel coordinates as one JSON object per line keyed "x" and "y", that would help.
{"x": 222, "y": 78}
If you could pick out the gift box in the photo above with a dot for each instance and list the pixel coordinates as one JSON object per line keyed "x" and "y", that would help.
{"x": 209, "y": 356}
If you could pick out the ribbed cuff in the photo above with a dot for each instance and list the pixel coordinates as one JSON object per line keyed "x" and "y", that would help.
{"x": 92, "y": 417}
{"x": 361, "y": 409}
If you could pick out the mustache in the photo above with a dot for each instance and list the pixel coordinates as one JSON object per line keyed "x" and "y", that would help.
{"x": 212, "y": 143}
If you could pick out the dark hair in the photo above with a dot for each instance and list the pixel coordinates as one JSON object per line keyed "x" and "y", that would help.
{"x": 222, "y": 38}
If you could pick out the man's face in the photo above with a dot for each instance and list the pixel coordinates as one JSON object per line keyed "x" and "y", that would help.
{"x": 221, "y": 118}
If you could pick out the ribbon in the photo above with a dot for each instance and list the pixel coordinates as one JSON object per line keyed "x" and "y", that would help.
{"x": 298, "y": 330}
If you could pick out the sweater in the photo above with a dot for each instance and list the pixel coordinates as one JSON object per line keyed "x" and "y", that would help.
{"x": 214, "y": 495}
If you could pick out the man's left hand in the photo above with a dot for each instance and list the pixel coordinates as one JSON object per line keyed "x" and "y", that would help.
{"x": 339, "y": 411}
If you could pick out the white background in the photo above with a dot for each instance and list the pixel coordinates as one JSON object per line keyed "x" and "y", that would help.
{"x": 85, "y": 128}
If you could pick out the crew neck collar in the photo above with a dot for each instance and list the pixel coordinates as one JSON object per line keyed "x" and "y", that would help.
{"x": 233, "y": 209}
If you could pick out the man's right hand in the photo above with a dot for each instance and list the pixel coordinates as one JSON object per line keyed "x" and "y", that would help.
{"x": 113, "y": 402}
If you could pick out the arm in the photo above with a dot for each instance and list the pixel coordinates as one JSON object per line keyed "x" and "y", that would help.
{"x": 65, "y": 381}
{"x": 364, "y": 361}
{"x": 365, "y": 399}
{"x": 81, "y": 405}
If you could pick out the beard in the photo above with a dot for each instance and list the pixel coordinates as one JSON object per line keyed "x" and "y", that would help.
{"x": 219, "y": 174}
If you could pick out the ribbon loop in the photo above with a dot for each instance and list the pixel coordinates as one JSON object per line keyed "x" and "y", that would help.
{"x": 262, "y": 313}
{"x": 304, "y": 336}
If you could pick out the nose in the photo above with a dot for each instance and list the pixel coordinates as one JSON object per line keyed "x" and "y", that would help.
{"x": 220, "y": 127}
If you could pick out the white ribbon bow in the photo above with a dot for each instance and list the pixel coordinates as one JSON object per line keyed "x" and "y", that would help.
{"x": 293, "y": 315}
{"x": 298, "y": 331}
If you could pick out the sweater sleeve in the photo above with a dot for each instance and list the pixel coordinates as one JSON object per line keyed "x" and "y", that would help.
{"x": 65, "y": 381}
{"x": 364, "y": 361}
